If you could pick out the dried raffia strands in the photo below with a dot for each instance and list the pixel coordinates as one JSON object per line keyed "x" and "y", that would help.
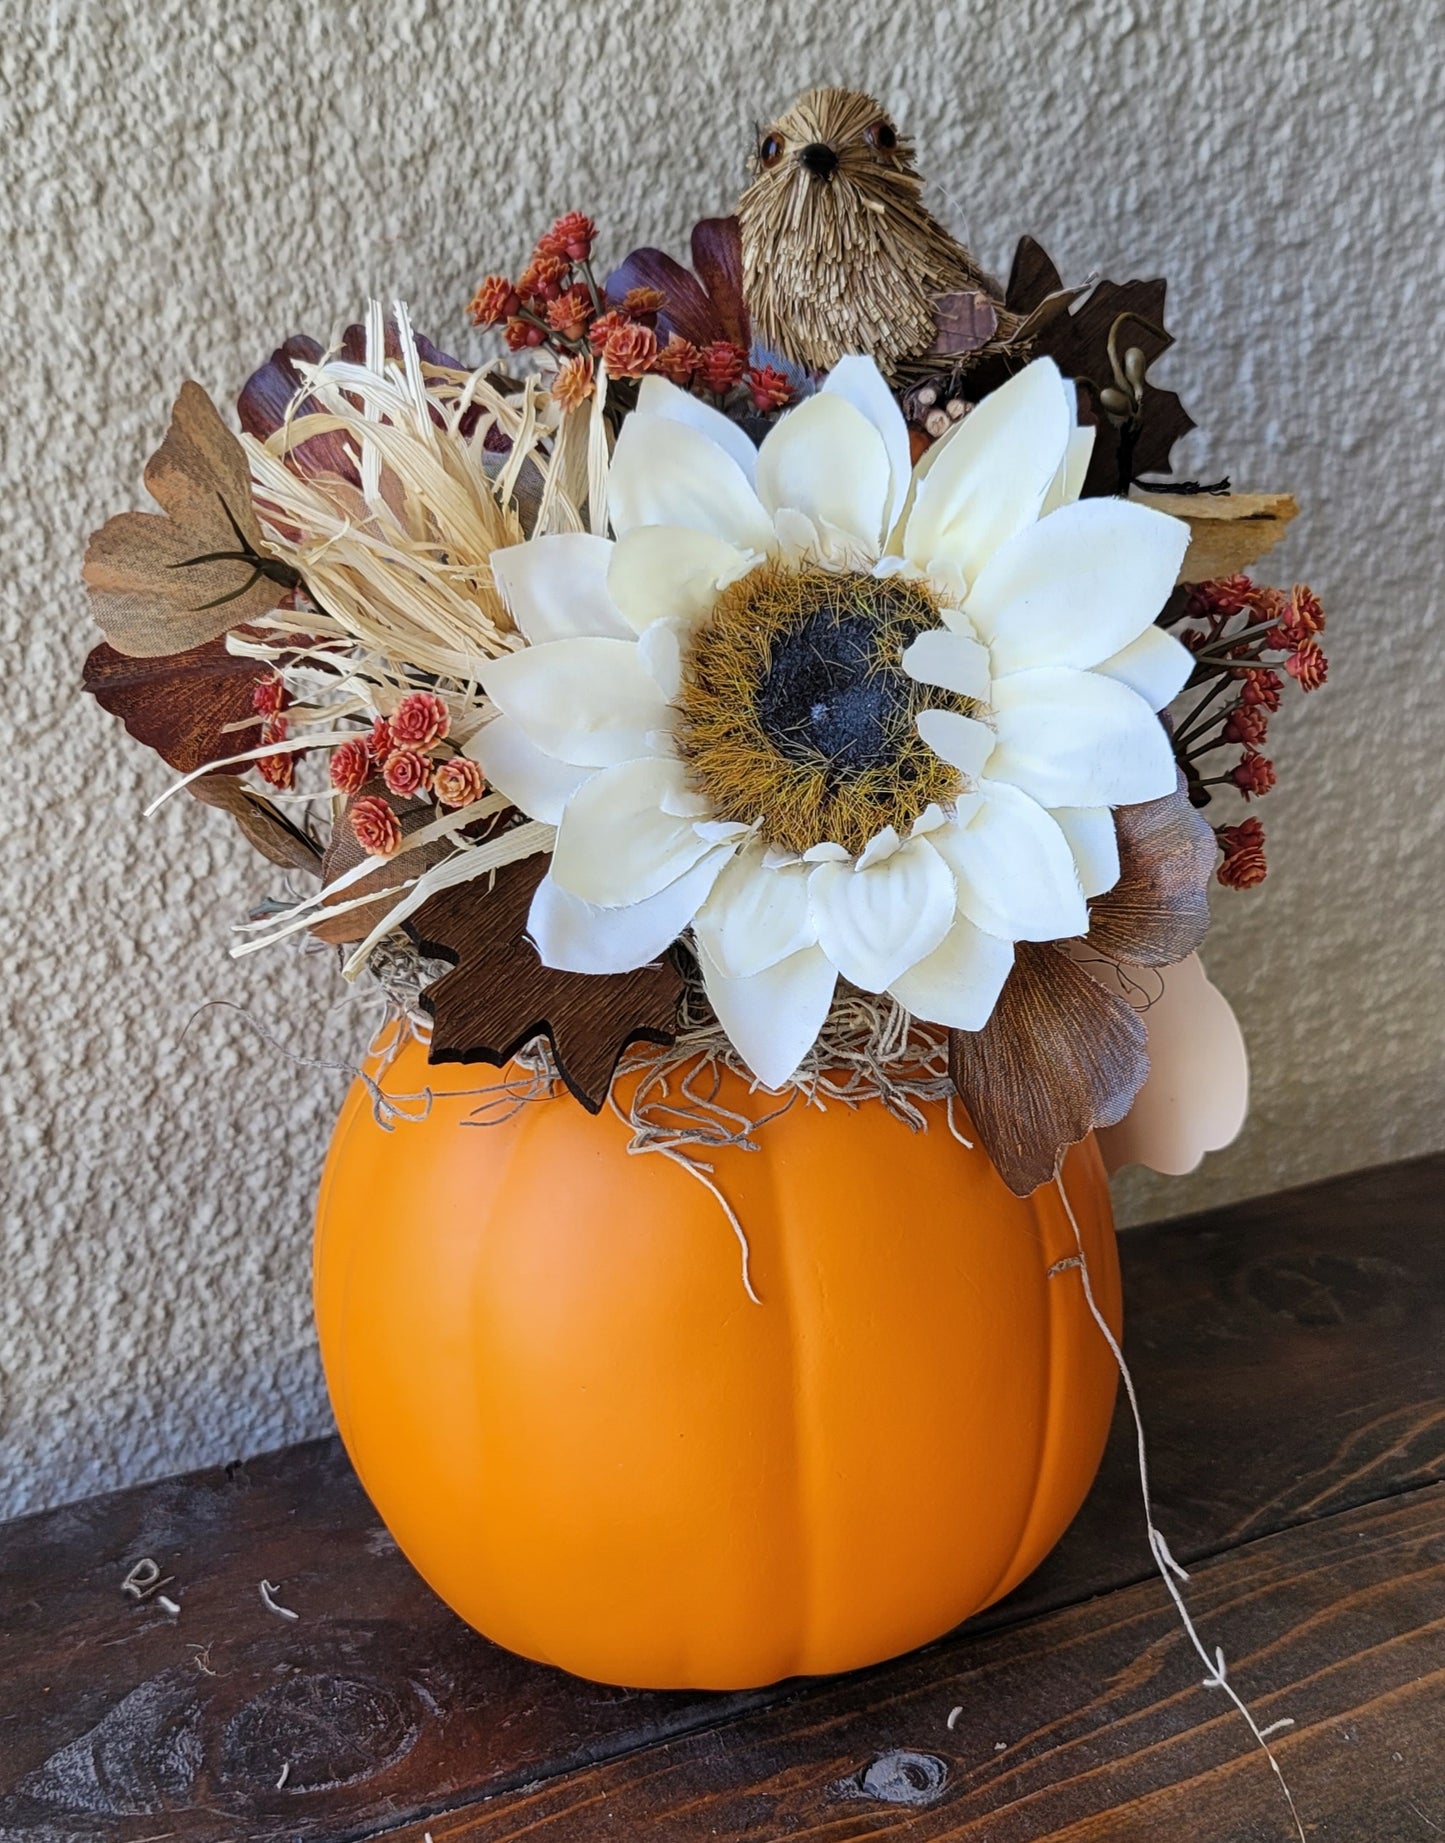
{"x": 400, "y": 564}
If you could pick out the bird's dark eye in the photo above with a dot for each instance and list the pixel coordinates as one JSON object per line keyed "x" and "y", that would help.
{"x": 770, "y": 150}
{"x": 881, "y": 136}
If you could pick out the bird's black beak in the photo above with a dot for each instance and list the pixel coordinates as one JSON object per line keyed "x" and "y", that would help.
{"x": 818, "y": 159}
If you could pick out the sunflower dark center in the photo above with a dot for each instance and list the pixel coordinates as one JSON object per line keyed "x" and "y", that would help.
{"x": 827, "y": 693}
{"x": 796, "y": 713}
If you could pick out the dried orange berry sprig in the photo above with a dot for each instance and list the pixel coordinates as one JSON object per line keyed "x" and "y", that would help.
{"x": 1247, "y": 640}
{"x": 557, "y": 305}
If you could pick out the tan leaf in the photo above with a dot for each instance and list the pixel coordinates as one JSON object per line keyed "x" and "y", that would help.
{"x": 163, "y": 583}
{"x": 1158, "y": 911}
{"x": 1059, "y": 1057}
{"x": 500, "y": 996}
{"x": 263, "y": 825}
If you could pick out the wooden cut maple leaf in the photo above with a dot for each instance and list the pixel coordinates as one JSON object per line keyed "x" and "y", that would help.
{"x": 499, "y": 996}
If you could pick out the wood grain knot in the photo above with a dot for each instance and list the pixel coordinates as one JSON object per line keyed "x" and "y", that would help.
{"x": 900, "y": 1778}
{"x": 316, "y": 1732}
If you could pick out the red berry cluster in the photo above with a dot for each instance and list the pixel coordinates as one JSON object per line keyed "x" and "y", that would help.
{"x": 401, "y": 750}
{"x": 556, "y": 303}
{"x": 1246, "y": 640}
{"x": 269, "y": 699}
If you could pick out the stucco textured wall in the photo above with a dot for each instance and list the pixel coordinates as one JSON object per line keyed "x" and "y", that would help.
{"x": 185, "y": 183}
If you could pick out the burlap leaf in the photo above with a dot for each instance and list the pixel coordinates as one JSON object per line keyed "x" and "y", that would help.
{"x": 262, "y": 825}
{"x": 500, "y": 996}
{"x": 1059, "y": 1057}
{"x": 186, "y": 706}
{"x": 1158, "y": 911}
{"x": 149, "y": 593}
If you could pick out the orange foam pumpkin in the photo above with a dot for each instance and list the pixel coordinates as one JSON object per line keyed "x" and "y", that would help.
{"x": 603, "y": 1455}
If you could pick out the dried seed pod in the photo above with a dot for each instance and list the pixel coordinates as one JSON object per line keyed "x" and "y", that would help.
{"x": 957, "y": 409}
{"x": 937, "y": 422}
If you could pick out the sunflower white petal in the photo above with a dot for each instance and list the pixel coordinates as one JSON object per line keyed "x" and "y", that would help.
{"x": 958, "y": 984}
{"x": 1071, "y": 738}
{"x": 875, "y": 923}
{"x": 963, "y": 741}
{"x": 991, "y": 479}
{"x": 556, "y": 587}
{"x": 616, "y": 844}
{"x": 949, "y": 660}
{"x": 531, "y": 779}
{"x": 1155, "y": 665}
{"x": 591, "y": 702}
{"x": 1068, "y": 482}
{"x": 1094, "y": 840}
{"x": 756, "y": 916}
{"x": 827, "y": 460}
{"x": 1076, "y": 587}
{"x": 773, "y": 1018}
{"x": 670, "y": 573}
{"x": 580, "y": 937}
{"x": 657, "y": 396}
{"x": 1015, "y": 870}
{"x": 666, "y": 472}
{"x": 861, "y": 382}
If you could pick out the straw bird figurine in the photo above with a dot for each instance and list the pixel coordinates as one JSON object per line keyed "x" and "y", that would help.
{"x": 841, "y": 255}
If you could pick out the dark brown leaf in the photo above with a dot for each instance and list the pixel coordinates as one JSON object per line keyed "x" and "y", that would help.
{"x": 150, "y": 593}
{"x": 183, "y": 706}
{"x": 343, "y": 852}
{"x": 1158, "y": 911}
{"x": 263, "y": 825}
{"x": 966, "y": 321}
{"x": 500, "y": 996}
{"x": 1032, "y": 279}
{"x": 1078, "y": 344}
{"x": 1059, "y": 1057}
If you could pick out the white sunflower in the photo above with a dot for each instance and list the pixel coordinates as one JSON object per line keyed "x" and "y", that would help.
{"x": 835, "y": 717}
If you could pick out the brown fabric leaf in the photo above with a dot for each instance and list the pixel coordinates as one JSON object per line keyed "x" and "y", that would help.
{"x": 343, "y": 851}
{"x": 262, "y": 825}
{"x": 702, "y": 310}
{"x": 966, "y": 321}
{"x": 182, "y": 705}
{"x": 147, "y": 593}
{"x": 1059, "y": 1057}
{"x": 500, "y": 996}
{"x": 1158, "y": 911}
{"x": 717, "y": 256}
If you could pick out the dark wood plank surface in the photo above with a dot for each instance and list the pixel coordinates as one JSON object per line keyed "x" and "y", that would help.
{"x": 1089, "y": 1723}
{"x": 1289, "y": 1356}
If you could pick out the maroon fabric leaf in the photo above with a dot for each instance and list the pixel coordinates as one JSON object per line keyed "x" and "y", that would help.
{"x": 717, "y": 255}
{"x": 686, "y": 309}
{"x": 1158, "y": 911}
{"x": 702, "y": 311}
{"x": 182, "y": 705}
{"x": 1059, "y": 1057}
{"x": 499, "y": 996}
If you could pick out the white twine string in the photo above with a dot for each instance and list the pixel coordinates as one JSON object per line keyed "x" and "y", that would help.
{"x": 1170, "y": 1572}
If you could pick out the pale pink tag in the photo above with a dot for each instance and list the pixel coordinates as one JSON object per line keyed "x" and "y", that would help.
{"x": 1197, "y": 1092}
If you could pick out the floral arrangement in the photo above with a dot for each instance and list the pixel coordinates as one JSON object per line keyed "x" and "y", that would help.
{"x": 764, "y": 663}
